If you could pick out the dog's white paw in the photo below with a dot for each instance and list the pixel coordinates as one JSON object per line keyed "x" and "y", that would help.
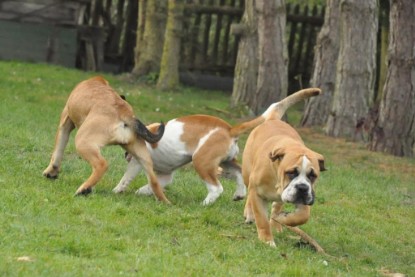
{"x": 145, "y": 190}
{"x": 271, "y": 243}
{"x": 238, "y": 196}
{"x": 249, "y": 220}
{"x": 118, "y": 189}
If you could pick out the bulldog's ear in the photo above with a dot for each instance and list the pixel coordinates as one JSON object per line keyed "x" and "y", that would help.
{"x": 277, "y": 154}
{"x": 320, "y": 159}
{"x": 321, "y": 164}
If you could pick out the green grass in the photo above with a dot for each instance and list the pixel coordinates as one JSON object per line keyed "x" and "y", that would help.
{"x": 364, "y": 215}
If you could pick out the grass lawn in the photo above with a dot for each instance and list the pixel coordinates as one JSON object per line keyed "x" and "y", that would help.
{"x": 364, "y": 215}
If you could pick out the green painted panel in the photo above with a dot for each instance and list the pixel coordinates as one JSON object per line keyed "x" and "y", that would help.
{"x": 38, "y": 43}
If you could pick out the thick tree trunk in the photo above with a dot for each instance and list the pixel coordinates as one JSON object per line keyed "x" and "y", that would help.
{"x": 169, "y": 70}
{"x": 355, "y": 67}
{"x": 149, "y": 46}
{"x": 326, "y": 52}
{"x": 272, "y": 80}
{"x": 394, "y": 131}
{"x": 246, "y": 68}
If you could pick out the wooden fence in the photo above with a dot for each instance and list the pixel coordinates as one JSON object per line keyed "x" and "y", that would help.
{"x": 208, "y": 46}
{"x": 106, "y": 33}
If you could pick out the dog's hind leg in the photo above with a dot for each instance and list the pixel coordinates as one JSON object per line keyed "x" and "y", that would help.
{"x": 234, "y": 169}
{"x": 61, "y": 140}
{"x": 90, "y": 151}
{"x": 139, "y": 150}
{"x": 207, "y": 168}
{"x": 133, "y": 168}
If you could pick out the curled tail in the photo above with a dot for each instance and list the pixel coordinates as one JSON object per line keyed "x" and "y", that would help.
{"x": 142, "y": 131}
{"x": 276, "y": 110}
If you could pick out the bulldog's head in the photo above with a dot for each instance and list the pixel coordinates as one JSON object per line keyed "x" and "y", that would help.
{"x": 298, "y": 169}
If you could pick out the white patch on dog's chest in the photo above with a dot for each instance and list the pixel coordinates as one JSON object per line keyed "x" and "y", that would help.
{"x": 170, "y": 152}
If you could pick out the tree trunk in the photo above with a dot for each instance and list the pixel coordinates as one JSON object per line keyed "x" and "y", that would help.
{"x": 149, "y": 46}
{"x": 356, "y": 64}
{"x": 246, "y": 68}
{"x": 394, "y": 131}
{"x": 272, "y": 82}
{"x": 169, "y": 70}
{"x": 326, "y": 53}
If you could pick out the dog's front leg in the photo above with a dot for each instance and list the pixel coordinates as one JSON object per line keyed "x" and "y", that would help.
{"x": 133, "y": 168}
{"x": 276, "y": 210}
{"x": 259, "y": 208}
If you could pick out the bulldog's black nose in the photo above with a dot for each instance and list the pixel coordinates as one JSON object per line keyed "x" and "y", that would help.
{"x": 302, "y": 188}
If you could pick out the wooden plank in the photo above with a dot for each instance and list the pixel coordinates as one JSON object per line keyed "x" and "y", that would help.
{"x": 51, "y": 11}
{"x": 206, "y": 35}
{"x": 291, "y": 37}
{"x": 218, "y": 30}
{"x": 38, "y": 43}
{"x": 212, "y": 9}
{"x": 225, "y": 44}
{"x": 299, "y": 53}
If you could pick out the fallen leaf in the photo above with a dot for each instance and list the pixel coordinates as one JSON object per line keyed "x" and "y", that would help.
{"x": 25, "y": 259}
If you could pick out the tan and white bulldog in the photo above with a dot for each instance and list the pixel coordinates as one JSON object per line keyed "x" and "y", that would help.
{"x": 278, "y": 167}
{"x": 208, "y": 142}
{"x": 102, "y": 118}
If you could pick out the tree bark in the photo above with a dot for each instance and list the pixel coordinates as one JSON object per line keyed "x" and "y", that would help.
{"x": 356, "y": 64}
{"x": 272, "y": 82}
{"x": 246, "y": 68}
{"x": 169, "y": 70}
{"x": 394, "y": 130}
{"x": 149, "y": 46}
{"x": 326, "y": 52}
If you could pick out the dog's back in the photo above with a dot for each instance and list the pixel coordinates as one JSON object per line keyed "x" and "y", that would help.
{"x": 96, "y": 94}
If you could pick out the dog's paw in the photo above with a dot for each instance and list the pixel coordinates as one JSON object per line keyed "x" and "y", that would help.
{"x": 118, "y": 189}
{"x": 249, "y": 220}
{"x": 145, "y": 190}
{"x": 271, "y": 243}
{"x": 51, "y": 173}
{"x": 84, "y": 192}
{"x": 238, "y": 197}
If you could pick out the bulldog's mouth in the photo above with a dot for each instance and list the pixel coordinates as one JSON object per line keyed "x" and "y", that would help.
{"x": 305, "y": 199}
{"x": 298, "y": 194}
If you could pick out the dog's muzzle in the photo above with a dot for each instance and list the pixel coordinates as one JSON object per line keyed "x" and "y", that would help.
{"x": 304, "y": 194}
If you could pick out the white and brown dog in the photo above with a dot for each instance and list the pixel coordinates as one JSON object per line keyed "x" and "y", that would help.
{"x": 208, "y": 142}
{"x": 102, "y": 118}
{"x": 278, "y": 167}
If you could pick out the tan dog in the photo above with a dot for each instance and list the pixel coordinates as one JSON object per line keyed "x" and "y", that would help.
{"x": 102, "y": 118}
{"x": 277, "y": 166}
{"x": 209, "y": 142}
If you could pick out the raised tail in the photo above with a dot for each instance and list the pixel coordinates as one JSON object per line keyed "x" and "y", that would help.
{"x": 275, "y": 110}
{"x": 142, "y": 131}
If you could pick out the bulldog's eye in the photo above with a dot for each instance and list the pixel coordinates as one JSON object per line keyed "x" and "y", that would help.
{"x": 312, "y": 176}
{"x": 291, "y": 174}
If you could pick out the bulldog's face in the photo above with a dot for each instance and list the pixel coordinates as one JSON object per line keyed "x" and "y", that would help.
{"x": 298, "y": 173}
